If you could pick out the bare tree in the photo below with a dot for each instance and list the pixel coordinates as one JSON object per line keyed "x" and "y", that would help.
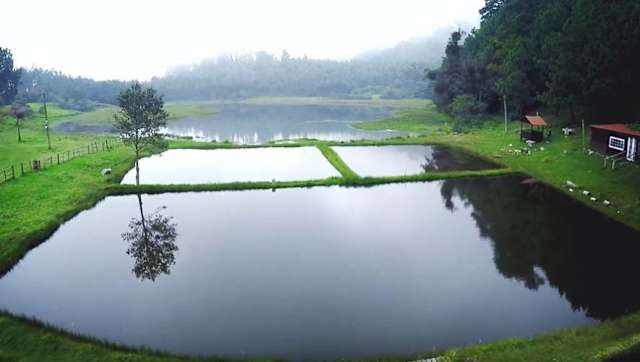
{"x": 20, "y": 111}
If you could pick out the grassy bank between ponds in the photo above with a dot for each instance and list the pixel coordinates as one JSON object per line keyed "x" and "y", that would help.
{"x": 122, "y": 189}
{"x": 336, "y": 161}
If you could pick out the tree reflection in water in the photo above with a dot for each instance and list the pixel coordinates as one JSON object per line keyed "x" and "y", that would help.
{"x": 445, "y": 158}
{"x": 542, "y": 236}
{"x": 152, "y": 243}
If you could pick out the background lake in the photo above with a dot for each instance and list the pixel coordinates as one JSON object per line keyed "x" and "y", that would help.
{"x": 253, "y": 124}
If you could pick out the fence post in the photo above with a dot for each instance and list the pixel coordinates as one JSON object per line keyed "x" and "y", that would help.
{"x": 4, "y": 172}
{"x": 58, "y": 158}
{"x": 21, "y": 169}
{"x": 13, "y": 172}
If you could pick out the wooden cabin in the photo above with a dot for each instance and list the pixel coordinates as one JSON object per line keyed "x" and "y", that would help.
{"x": 616, "y": 138}
{"x": 536, "y": 129}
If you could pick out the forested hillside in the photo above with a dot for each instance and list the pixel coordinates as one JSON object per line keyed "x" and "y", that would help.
{"x": 576, "y": 57}
{"x": 396, "y": 72}
{"x": 263, "y": 74}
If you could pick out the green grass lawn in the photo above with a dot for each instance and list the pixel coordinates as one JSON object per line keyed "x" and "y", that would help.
{"x": 34, "y": 139}
{"x": 104, "y": 114}
{"x": 411, "y": 120}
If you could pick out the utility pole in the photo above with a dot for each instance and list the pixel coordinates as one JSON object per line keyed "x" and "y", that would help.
{"x": 504, "y": 99}
{"x": 583, "y": 148}
{"x": 46, "y": 118}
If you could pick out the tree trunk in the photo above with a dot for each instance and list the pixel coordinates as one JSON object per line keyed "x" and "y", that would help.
{"x": 18, "y": 126}
{"x": 137, "y": 166}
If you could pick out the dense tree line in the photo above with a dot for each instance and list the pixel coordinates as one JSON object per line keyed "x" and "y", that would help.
{"x": 577, "y": 57}
{"x": 69, "y": 92}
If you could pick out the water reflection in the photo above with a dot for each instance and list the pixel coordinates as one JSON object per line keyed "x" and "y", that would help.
{"x": 541, "y": 236}
{"x": 152, "y": 243}
{"x": 440, "y": 158}
{"x": 409, "y": 159}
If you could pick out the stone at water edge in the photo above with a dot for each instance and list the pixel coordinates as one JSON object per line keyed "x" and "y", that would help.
{"x": 571, "y": 184}
{"x": 106, "y": 171}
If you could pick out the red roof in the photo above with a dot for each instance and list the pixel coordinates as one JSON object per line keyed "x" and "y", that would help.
{"x": 617, "y": 127}
{"x": 535, "y": 120}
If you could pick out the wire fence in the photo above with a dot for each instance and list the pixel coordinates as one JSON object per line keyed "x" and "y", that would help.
{"x": 11, "y": 172}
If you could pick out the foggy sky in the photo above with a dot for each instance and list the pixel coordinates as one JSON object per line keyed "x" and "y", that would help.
{"x": 138, "y": 39}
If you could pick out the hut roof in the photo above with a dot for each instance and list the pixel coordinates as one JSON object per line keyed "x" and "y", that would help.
{"x": 535, "y": 120}
{"x": 618, "y": 128}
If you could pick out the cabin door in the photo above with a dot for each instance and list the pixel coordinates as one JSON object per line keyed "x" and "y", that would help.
{"x": 632, "y": 148}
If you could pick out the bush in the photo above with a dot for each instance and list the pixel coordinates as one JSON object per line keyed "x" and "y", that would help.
{"x": 466, "y": 106}
{"x": 82, "y": 105}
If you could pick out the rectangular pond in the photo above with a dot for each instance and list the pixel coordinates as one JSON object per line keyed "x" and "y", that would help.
{"x": 230, "y": 165}
{"x": 409, "y": 159}
{"x": 328, "y": 273}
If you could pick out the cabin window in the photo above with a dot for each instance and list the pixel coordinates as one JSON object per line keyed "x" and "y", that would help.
{"x": 616, "y": 143}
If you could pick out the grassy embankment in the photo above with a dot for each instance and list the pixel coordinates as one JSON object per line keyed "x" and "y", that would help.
{"x": 26, "y": 340}
{"x": 176, "y": 110}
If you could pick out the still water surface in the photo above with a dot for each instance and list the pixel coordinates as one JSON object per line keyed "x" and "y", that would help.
{"x": 230, "y": 165}
{"x": 253, "y": 124}
{"x": 326, "y": 273}
{"x": 409, "y": 160}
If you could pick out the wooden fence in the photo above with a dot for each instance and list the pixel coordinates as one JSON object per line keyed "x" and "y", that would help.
{"x": 11, "y": 172}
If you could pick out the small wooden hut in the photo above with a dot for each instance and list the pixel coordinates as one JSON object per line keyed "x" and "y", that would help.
{"x": 536, "y": 130}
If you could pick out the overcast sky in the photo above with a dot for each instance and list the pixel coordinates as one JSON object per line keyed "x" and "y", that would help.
{"x": 139, "y": 39}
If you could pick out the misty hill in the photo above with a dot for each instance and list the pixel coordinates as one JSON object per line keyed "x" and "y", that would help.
{"x": 427, "y": 50}
{"x": 396, "y": 72}
{"x": 264, "y": 74}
